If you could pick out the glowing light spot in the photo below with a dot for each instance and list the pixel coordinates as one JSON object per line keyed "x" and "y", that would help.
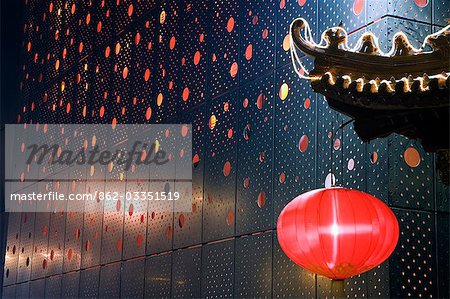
{"x": 227, "y": 168}
{"x": 303, "y": 143}
{"x": 113, "y": 123}
{"x": 162, "y": 17}
{"x": 234, "y": 69}
{"x": 301, "y": 2}
{"x": 147, "y": 75}
{"x": 265, "y": 33}
{"x": 159, "y": 100}
{"x": 99, "y": 26}
{"x": 284, "y": 91}
{"x": 69, "y": 253}
{"x": 125, "y": 72}
{"x": 249, "y": 52}
{"x": 197, "y": 57}
{"x": 358, "y": 6}
{"x": 282, "y": 4}
{"x": 88, "y": 18}
{"x": 102, "y": 111}
{"x": 185, "y": 95}
{"x": 68, "y": 108}
{"x": 287, "y": 42}
{"x": 230, "y": 24}
{"x": 184, "y": 130}
{"x": 412, "y": 157}
{"x": 107, "y": 51}
{"x": 57, "y": 64}
{"x": 148, "y": 113}
{"x": 172, "y": 42}
{"x": 212, "y": 121}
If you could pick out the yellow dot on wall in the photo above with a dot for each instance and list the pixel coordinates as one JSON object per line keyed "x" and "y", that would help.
{"x": 284, "y": 90}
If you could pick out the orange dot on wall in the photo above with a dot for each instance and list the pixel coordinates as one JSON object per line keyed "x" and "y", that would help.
{"x": 148, "y": 113}
{"x": 230, "y": 218}
{"x": 107, "y": 51}
{"x": 69, "y": 253}
{"x": 265, "y": 33}
{"x": 287, "y": 42}
{"x": 303, "y": 143}
{"x": 68, "y": 108}
{"x": 227, "y": 168}
{"x": 412, "y": 157}
{"x": 172, "y": 42}
{"x": 137, "y": 38}
{"x": 130, "y": 10}
{"x": 307, "y": 103}
{"x": 159, "y": 99}
{"x": 212, "y": 121}
{"x": 185, "y": 94}
{"x": 99, "y": 26}
{"x": 139, "y": 240}
{"x": 249, "y": 52}
{"x": 117, "y": 48}
{"x": 358, "y": 6}
{"x": 421, "y": 3}
{"x": 119, "y": 245}
{"x": 230, "y": 133}
{"x": 230, "y": 24}
{"x": 301, "y": 2}
{"x": 234, "y": 69}
{"x": 102, "y": 111}
{"x": 262, "y": 199}
{"x": 125, "y": 72}
{"x": 197, "y": 57}
{"x": 147, "y": 75}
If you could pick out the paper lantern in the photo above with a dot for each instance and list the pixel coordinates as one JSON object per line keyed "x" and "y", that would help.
{"x": 337, "y": 232}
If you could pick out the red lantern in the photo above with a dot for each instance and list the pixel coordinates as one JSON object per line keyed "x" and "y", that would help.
{"x": 337, "y": 232}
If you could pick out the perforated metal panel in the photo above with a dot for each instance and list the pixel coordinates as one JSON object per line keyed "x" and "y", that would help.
{"x": 12, "y": 249}
{"x": 132, "y": 279}
{"x": 294, "y": 139}
{"x": 413, "y": 263}
{"x": 220, "y": 169}
{"x": 290, "y": 280}
{"x": 74, "y": 221}
{"x": 410, "y": 186}
{"x": 194, "y": 57}
{"x": 287, "y": 11}
{"x": 186, "y": 273}
{"x": 158, "y": 275}
{"x": 37, "y": 288}
{"x": 257, "y": 38}
{"x": 254, "y": 133}
{"x": 253, "y": 269}
{"x": 53, "y": 287}
{"x": 89, "y": 283}
{"x": 109, "y": 286}
{"x": 443, "y": 252}
{"x": 70, "y": 285}
{"x": 258, "y": 141}
{"x": 23, "y": 290}
{"x": 218, "y": 269}
{"x": 188, "y": 225}
{"x": 224, "y": 67}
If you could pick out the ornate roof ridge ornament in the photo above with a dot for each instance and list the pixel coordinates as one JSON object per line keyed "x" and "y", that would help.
{"x": 404, "y": 91}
